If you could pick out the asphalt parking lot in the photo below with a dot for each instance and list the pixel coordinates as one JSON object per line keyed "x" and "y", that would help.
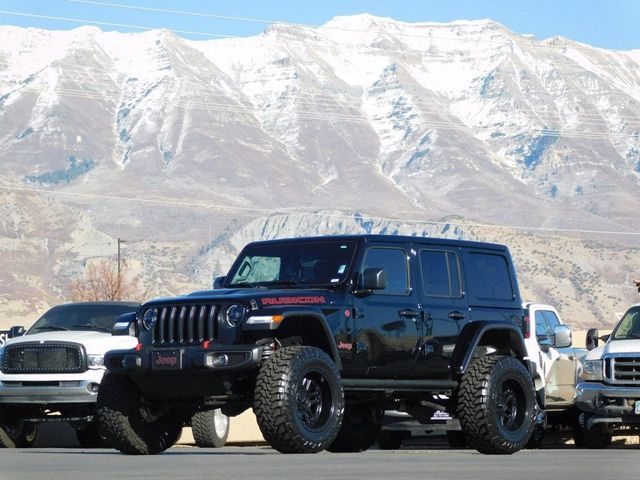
{"x": 264, "y": 463}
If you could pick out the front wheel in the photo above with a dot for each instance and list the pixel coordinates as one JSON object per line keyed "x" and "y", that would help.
{"x": 128, "y": 424}
{"x": 497, "y": 405}
{"x": 598, "y": 436}
{"x": 210, "y": 428}
{"x": 298, "y": 400}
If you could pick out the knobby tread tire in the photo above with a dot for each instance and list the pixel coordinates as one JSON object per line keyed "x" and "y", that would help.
{"x": 204, "y": 430}
{"x": 120, "y": 419}
{"x": 476, "y": 405}
{"x": 275, "y": 400}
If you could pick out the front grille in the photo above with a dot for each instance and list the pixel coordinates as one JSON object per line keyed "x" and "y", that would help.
{"x": 44, "y": 358}
{"x": 185, "y": 324}
{"x": 624, "y": 370}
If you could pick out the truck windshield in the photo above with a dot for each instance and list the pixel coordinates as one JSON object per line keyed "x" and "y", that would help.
{"x": 629, "y": 326}
{"x": 100, "y": 318}
{"x": 292, "y": 264}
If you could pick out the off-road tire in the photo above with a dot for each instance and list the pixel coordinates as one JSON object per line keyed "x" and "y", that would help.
{"x": 578, "y": 436}
{"x": 390, "y": 440}
{"x": 210, "y": 428}
{"x": 597, "y": 437}
{"x": 91, "y": 437}
{"x": 18, "y": 435}
{"x": 497, "y": 405}
{"x": 360, "y": 428}
{"x": 121, "y": 420}
{"x": 286, "y": 410}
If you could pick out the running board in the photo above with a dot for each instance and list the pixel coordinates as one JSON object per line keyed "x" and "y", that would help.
{"x": 369, "y": 384}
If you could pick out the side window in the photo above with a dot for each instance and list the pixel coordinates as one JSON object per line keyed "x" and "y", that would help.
{"x": 440, "y": 273}
{"x": 489, "y": 276}
{"x": 542, "y": 328}
{"x": 552, "y": 319}
{"x": 394, "y": 263}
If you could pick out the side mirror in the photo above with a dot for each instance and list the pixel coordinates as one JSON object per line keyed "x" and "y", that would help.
{"x": 218, "y": 282}
{"x": 16, "y": 331}
{"x": 562, "y": 336}
{"x": 125, "y": 325}
{"x": 374, "y": 279}
{"x": 592, "y": 338}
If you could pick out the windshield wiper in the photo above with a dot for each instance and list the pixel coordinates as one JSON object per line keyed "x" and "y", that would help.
{"x": 51, "y": 327}
{"x": 284, "y": 283}
{"x": 244, "y": 285}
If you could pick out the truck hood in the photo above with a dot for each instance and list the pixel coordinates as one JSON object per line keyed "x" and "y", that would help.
{"x": 95, "y": 343}
{"x": 615, "y": 347}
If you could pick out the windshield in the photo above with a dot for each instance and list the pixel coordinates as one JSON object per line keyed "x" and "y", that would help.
{"x": 293, "y": 264}
{"x": 629, "y": 326}
{"x": 99, "y": 318}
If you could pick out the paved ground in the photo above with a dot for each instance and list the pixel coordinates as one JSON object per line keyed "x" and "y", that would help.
{"x": 263, "y": 463}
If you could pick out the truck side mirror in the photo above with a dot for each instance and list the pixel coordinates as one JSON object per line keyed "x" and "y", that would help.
{"x": 125, "y": 325}
{"x": 16, "y": 331}
{"x": 374, "y": 279}
{"x": 592, "y": 338}
{"x": 562, "y": 336}
{"x": 218, "y": 282}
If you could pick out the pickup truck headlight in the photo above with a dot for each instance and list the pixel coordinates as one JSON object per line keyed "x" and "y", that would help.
{"x": 95, "y": 361}
{"x": 592, "y": 370}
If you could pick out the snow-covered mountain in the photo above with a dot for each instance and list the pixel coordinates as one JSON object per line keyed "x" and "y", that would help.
{"x": 183, "y": 147}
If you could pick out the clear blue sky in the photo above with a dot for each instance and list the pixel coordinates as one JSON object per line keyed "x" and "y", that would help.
{"x": 603, "y": 23}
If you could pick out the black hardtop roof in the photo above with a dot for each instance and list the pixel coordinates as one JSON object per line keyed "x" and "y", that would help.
{"x": 387, "y": 239}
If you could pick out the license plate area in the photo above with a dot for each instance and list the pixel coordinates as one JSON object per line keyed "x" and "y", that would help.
{"x": 637, "y": 407}
{"x": 165, "y": 360}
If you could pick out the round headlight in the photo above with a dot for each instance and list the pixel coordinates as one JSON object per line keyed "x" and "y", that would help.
{"x": 149, "y": 318}
{"x": 235, "y": 314}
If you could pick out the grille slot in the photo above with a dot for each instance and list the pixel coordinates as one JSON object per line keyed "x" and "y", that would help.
{"x": 185, "y": 324}
{"x": 624, "y": 370}
{"x": 44, "y": 358}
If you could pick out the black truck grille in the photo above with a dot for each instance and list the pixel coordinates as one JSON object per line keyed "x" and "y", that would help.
{"x": 185, "y": 324}
{"x": 44, "y": 358}
{"x": 623, "y": 370}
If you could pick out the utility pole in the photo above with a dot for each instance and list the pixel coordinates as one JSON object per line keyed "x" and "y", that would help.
{"x": 119, "y": 242}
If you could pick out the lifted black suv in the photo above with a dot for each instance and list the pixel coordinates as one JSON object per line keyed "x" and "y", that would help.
{"x": 321, "y": 335}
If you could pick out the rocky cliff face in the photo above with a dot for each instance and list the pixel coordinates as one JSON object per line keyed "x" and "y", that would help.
{"x": 189, "y": 149}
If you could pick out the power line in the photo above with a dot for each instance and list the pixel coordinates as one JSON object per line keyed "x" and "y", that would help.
{"x": 272, "y": 211}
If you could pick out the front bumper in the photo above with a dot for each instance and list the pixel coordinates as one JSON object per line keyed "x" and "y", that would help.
{"x": 39, "y": 389}
{"x": 607, "y": 404}
{"x": 221, "y": 358}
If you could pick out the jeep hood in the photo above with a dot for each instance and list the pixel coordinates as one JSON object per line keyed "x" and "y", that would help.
{"x": 95, "y": 343}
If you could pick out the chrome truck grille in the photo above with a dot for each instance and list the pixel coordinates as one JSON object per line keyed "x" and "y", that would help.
{"x": 622, "y": 370}
{"x": 44, "y": 358}
{"x": 185, "y": 324}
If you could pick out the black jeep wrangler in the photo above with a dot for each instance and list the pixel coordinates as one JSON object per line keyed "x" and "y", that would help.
{"x": 321, "y": 335}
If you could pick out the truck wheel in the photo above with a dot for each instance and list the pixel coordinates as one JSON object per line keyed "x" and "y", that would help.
{"x": 578, "y": 436}
{"x": 298, "y": 400}
{"x": 210, "y": 428}
{"x": 597, "y": 436}
{"x": 390, "y": 440}
{"x": 15, "y": 433}
{"x": 129, "y": 426}
{"x": 91, "y": 437}
{"x": 360, "y": 428}
{"x": 496, "y": 405}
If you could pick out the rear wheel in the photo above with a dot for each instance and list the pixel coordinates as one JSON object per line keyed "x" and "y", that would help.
{"x": 128, "y": 424}
{"x": 497, "y": 405}
{"x": 90, "y": 436}
{"x": 210, "y": 428}
{"x": 598, "y": 436}
{"x": 14, "y": 432}
{"x": 298, "y": 400}
{"x": 360, "y": 428}
{"x": 390, "y": 440}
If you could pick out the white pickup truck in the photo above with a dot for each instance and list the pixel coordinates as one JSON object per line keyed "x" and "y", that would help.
{"x": 609, "y": 396}
{"x": 557, "y": 369}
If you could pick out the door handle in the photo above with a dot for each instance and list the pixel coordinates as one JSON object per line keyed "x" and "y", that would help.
{"x": 409, "y": 313}
{"x": 455, "y": 315}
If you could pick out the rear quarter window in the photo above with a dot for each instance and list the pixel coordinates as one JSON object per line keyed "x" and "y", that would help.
{"x": 489, "y": 277}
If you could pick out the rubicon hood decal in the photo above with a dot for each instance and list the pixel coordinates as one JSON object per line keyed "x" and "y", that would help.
{"x": 302, "y": 300}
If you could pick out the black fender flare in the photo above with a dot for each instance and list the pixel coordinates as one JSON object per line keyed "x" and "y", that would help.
{"x": 318, "y": 317}
{"x": 474, "y": 333}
